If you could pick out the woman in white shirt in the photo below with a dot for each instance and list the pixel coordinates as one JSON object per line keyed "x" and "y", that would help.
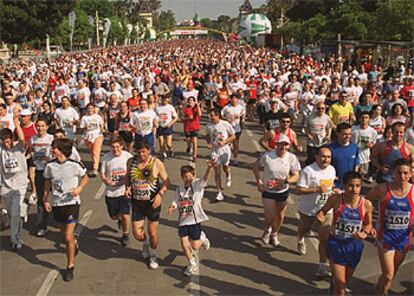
{"x": 92, "y": 124}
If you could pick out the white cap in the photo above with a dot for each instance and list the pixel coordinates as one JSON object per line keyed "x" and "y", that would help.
{"x": 283, "y": 139}
{"x": 25, "y": 112}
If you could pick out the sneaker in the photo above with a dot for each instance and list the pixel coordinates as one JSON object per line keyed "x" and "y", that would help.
{"x": 32, "y": 199}
{"x": 153, "y": 262}
{"x": 228, "y": 181}
{"x": 274, "y": 240}
{"x": 145, "y": 250}
{"x": 164, "y": 155}
{"x": 125, "y": 239}
{"x": 92, "y": 174}
{"x": 17, "y": 247}
{"x": 41, "y": 232}
{"x": 303, "y": 131}
{"x": 302, "y": 248}
{"x": 235, "y": 163}
{"x": 323, "y": 271}
{"x": 206, "y": 244}
{"x": 191, "y": 270}
{"x": 69, "y": 274}
{"x": 370, "y": 180}
{"x": 219, "y": 196}
{"x": 266, "y": 237}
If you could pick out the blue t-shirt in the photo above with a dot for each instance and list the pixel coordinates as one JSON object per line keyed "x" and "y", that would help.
{"x": 344, "y": 159}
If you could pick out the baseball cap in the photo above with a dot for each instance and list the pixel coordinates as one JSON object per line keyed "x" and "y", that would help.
{"x": 283, "y": 139}
{"x": 25, "y": 112}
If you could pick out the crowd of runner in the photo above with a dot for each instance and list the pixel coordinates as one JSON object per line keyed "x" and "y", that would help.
{"x": 356, "y": 119}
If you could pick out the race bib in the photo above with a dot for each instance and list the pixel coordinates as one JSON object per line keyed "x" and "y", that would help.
{"x": 39, "y": 155}
{"x": 66, "y": 124}
{"x": 344, "y": 228}
{"x": 112, "y": 114}
{"x": 11, "y": 165}
{"x": 141, "y": 190}
{"x": 93, "y": 125}
{"x": 163, "y": 119}
{"x": 275, "y": 184}
{"x": 57, "y": 187}
{"x": 397, "y": 220}
{"x": 344, "y": 118}
{"x": 185, "y": 207}
{"x": 118, "y": 176}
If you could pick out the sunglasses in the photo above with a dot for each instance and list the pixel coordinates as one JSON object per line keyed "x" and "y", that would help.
{"x": 322, "y": 108}
{"x": 285, "y": 121}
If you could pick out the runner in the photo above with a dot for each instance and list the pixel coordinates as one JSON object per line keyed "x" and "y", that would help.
{"x": 187, "y": 198}
{"x": 352, "y": 219}
{"x": 167, "y": 117}
{"x": 67, "y": 118}
{"x": 13, "y": 180}
{"x": 280, "y": 169}
{"x": 235, "y": 114}
{"x": 113, "y": 171}
{"x": 219, "y": 134}
{"x": 40, "y": 148}
{"x": 65, "y": 179}
{"x": 191, "y": 121}
{"x": 316, "y": 185}
{"x": 92, "y": 124}
{"x": 146, "y": 182}
{"x": 394, "y": 224}
{"x": 123, "y": 126}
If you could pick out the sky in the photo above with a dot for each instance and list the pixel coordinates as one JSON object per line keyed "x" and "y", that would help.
{"x": 184, "y": 9}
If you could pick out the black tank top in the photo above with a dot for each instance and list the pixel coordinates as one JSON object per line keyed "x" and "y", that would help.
{"x": 144, "y": 186}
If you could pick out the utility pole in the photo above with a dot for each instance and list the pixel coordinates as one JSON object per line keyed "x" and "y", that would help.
{"x": 97, "y": 28}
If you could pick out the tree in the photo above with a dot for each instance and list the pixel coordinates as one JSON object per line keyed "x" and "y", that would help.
{"x": 104, "y": 8}
{"x": 224, "y": 23}
{"x": 165, "y": 21}
{"x": 31, "y": 19}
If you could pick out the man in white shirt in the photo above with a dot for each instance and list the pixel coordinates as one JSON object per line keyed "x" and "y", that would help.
{"x": 82, "y": 96}
{"x": 316, "y": 184}
{"x": 220, "y": 134}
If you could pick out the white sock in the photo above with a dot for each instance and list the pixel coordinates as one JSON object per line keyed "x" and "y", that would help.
{"x": 153, "y": 252}
{"x": 301, "y": 239}
{"x": 192, "y": 262}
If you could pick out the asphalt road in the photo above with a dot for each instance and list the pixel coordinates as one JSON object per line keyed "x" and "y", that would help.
{"x": 237, "y": 264}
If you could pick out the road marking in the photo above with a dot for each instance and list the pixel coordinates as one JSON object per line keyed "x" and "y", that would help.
{"x": 47, "y": 284}
{"x": 82, "y": 223}
{"x": 255, "y": 143}
{"x": 100, "y": 192}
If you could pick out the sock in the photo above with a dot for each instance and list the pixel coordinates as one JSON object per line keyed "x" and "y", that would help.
{"x": 301, "y": 239}
{"x": 153, "y": 252}
{"x": 192, "y": 261}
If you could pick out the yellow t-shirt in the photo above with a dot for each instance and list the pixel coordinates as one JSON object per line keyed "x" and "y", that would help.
{"x": 340, "y": 113}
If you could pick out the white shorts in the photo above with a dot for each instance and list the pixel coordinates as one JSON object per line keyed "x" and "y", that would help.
{"x": 222, "y": 158}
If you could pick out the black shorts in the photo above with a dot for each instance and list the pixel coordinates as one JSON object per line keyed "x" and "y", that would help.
{"x": 251, "y": 102}
{"x": 126, "y": 136}
{"x": 30, "y": 163}
{"x": 66, "y": 214}
{"x": 192, "y": 134}
{"x": 144, "y": 209}
{"x": 164, "y": 131}
{"x": 283, "y": 196}
{"x": 118, "y": 205}
{"x": 192, "y": 231}
{"x": 238, "y": 135}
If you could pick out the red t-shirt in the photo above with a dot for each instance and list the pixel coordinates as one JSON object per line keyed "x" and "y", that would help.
{"x": 29, "y": 132}
{"x": 191, "y": 124}
{"x": 134, "y": 103}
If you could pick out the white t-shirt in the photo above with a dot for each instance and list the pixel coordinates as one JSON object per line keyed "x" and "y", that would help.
{"x": 235, "y": 86}
{"x": 100, "y": 96}
{"x": 409, "y": 135}
{"x": 64, "y": 177}
{"x": 277, "y": 169}
{"x": 83, "y": 97}
{"x": 115, "y": 168}
{"x": 65, "y": 117}
{"x": 165, "y": 113}
{"x": 190, "y": 93}
{"x": 233, "y": 115}
{"x": 61, "y": 91}
{"x": 362, "y": 137}
{"x": 188, "y": 202}
{"x": 7, "y": 122}
{"x": 219, "y": 132}
{"x": 310, "y": 177}
{"x": 42, "y": 150}
{"x": 318, "y": 126}
{"x": 13, "y": 167}
{"x": 143, "y": 122}
{"x": 92, "y": 125}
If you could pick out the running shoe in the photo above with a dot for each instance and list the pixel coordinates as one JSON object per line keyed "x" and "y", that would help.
{"x": 41, "y": 232}
{"x": 69, "y": 274}
{"x": 145, "y": 250}
{"x": 191, "y": 269}
{"x": 153, "y": 262}
{"x": 125, "y": 239}
{"x": 323, "y": 271}
{"x": 266, "y": 237}
{"x": 274, "y": 240}
{"x": 206, "y": 243}
{"x": 219, "y": 196}
{"x": 228, "y": 181}
{"x": 164, "y": 155}
{"x": 17, "y": 247}
{"x": 302, "y": 248}
{"x": 32, "y": 199}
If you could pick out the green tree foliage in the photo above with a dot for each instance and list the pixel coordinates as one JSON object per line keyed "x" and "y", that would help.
{"x": 165, "y": 21}
{"x": 104, "y": 8}
{"x": 22, "y": 21}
